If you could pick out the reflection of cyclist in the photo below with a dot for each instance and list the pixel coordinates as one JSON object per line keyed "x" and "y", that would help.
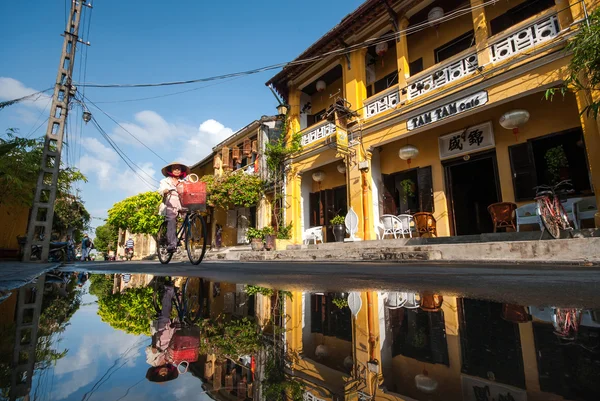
{"x": 162, "y": 331}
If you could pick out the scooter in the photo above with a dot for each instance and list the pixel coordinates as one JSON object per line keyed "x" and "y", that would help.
{"x": 128, "y": 253}
{"x": 58, "y": 251}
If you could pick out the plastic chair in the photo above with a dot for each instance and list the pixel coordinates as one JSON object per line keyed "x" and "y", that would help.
{"x": 586, "y": 209}
{"x": 406, "y": 220}
{"x": 503, "y": 215}
{"x": 528, "y": 214}
{"x": 391, "y": 225}
{"x": 570, "y": 206}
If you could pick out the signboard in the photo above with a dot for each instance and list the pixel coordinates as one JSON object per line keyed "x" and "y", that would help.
{"x": 448, "y": 110}
{"x": 476, "y": 389}
{"x": 341, "y": 139}
{"x": 472, "y": 139}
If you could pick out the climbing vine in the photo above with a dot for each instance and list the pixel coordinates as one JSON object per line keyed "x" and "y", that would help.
{"x": 233, "y": 189}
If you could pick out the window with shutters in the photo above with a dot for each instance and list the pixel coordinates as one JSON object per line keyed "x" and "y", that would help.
{"x": 328, "y": 319}
{"x": 419, "y": 335}
{"x": 523, "y": 11}
{"x": 455, "y": 46}
{"x": 247, "y": 147}
{"x": 548, "y": 160}
{"x": 408, "y": 192}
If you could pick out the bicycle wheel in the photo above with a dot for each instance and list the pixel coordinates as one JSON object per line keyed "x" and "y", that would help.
{"x": 195, "y": 240}
{"x": 158, "y": 289}
{"x": 562, "y": 217}
{"x": 193, "y": 300}
{"x": 161, "y": 245}
{"x": 549, "y": 221}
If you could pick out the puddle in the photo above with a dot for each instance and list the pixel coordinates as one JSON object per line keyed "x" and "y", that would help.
{"x": 80, "y": 336}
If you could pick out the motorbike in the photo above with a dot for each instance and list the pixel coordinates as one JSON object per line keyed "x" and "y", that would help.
{"x": 58, "y": 251}
{"x": 128, "y": 253}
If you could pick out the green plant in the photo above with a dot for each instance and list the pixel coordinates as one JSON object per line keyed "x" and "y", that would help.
{"x": 340, "y": 302}
{"x": 268, "y": 230}
{"x": 284, "y": 231}
{"x": 556, "y": 159}
{"x": 255, "y": 289}
{"x": 138, "y": 214}
{"x": 233, "y": 189}
{"x": 129, "y": 310}
{"x": 254, "y": 233}
{"x": 230, "y": 339}
{"x": 278, "y": 385}
{"x": 337, "y": 220}
{"x": 407, "y": 186}
{"x": 583, "y": 73}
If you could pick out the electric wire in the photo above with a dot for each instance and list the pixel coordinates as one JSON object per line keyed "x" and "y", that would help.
{"x": 38, "y": 118}
{"x": 367, "y": 43}
{"x": 7, "y": 103}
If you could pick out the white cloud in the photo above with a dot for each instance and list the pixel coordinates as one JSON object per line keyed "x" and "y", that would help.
{"x": 10, "y": 89}
{"x": 199, "y": 145}
{"x": 151, "y": 129}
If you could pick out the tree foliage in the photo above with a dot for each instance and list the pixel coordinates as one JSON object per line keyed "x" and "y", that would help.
{"x": 233, "y": 189}
{"x": 101, "y": 285}
{"x": 130, "y": 310}
{"x": 138, "y": 214}
{"x": 106, "y": 238}
{"x": 230, "y": 339}
{"x": 583, "y": 73}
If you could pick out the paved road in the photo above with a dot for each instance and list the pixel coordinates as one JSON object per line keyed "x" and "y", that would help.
{"x": 526, "y": 285}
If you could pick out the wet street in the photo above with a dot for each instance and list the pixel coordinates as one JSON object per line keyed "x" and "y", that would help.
{"x": 326, "y": 331}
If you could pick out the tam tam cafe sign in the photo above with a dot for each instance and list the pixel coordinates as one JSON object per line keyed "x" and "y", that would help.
{"x": 469, "y": 140}
{"x": 448, "y": 110}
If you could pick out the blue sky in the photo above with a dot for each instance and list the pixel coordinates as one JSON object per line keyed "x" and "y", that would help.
{"x": 139, "y": 41}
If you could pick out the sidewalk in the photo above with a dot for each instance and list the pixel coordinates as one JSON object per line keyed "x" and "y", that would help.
{"x": 15, "y": 274}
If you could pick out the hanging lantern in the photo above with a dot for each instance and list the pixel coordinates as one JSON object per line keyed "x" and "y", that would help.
{"x": 513, "y": 120}
{"x": 434, "y": 15}
{"x": 282, "y": 109}
{"x": 321, "y": 351}
{"x": 425, "y": 383}
{"x": 408, "y": 152}
{"x": 321, "y": 85}
{"x": 87, "y": 116}
{"x": 318, "y": 176}
{"x": 341, "y": 168}
{"x": 381, "y": 49}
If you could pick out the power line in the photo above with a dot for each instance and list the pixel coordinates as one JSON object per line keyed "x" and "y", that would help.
{"x": 337, "y": 52}
{"x": 19, "y": 100}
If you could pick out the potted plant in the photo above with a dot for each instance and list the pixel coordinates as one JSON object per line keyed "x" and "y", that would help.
{"x": 255, "y": 236}
{"x": 284, "y": 236}
{"x": 408, "y": 189}
{"x": 339, "y": 230}
{"x": 269, "y": 237}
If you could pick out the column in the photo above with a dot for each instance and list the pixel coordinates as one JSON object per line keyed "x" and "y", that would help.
{"x": 480, "y": 26}
{"x": 402, "y": 54}
{"x": 294, "y": 111}
{"x": 293, "y": 198}
{"x": 564, "y": 13}
{"x": 355, "y": 79}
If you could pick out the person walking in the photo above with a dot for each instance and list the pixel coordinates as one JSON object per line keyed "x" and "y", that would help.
{"x": 85, "y": 248}
{"x": 70, "y": 249}
{"x": 174, "y": 174}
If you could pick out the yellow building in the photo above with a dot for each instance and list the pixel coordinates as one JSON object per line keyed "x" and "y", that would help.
{"x": 241, "y": 153}
{"x": 438, "y": 85}
{"x": 404, "y": 346}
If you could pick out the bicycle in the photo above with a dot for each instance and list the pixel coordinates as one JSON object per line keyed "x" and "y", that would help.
{"x": 187, "y": 303}
{"x": 551, "y": 210}
{"x": 192, "y": 231}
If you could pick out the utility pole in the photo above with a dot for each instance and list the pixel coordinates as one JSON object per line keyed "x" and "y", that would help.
{"x": 42, "y": 212}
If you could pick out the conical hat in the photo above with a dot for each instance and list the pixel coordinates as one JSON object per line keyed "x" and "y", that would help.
{"x": 184, "y": 169}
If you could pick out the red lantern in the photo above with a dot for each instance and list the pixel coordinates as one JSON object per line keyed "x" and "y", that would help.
{"x": 381, "y": 49}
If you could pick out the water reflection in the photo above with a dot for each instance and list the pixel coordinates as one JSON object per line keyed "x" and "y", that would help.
{"x": 79, "y": 336}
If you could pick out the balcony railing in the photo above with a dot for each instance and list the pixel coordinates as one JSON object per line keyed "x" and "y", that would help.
{"x": 456, "y": 68}
{"x": 318, "y": 131}
{"x": 382, "y": 101}
{"x": 525, "y": 38}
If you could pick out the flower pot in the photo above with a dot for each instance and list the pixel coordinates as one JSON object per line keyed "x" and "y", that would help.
{"x": 270, "y": 242}
{"x": 257, "y": 244}
{"x": 339, "y": 231}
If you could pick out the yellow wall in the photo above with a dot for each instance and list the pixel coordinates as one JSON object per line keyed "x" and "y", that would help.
{"x": 13, "y": 220}
{"x": 333, "y": 178}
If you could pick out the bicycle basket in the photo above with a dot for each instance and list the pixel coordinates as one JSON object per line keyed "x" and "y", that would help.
{"x": 193, "y": 195}
{"x": 184, "y": 345}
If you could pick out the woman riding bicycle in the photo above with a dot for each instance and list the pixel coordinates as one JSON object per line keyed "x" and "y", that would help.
{"x": 174, "y": 173}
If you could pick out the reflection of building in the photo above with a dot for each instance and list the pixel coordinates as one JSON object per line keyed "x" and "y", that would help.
{"x": 428, "y": 347}
{"x": 441, "y": 90}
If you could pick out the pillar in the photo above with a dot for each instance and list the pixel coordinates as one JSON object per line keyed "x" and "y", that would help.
{"x": 565, "y": 17}
{"x": 480, "y": 25}
{"x": 293, "y": 199}
{"x": 294, "y": 112}
{"x": 355, "y": 79}
{"x": 402, "y": 54}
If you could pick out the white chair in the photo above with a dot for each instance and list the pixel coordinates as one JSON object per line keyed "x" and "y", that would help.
{"x": 407, "y": 227}
{"x": 313, "y": 233}
{"x": 570, "y": 205}
{"x": 379, "y": 229}
{"x": 586, "y": 209}
{"x": 391, "y": 225}
{"x": 528, "y": 214}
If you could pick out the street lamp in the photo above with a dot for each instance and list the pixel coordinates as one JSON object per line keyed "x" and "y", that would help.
{"x": 282, "y": 109}
{"x": 87, "y": 116}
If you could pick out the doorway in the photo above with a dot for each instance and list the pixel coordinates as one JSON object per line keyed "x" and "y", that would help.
{"x": 325, "y": 205}
{"x": 471, "y": 186}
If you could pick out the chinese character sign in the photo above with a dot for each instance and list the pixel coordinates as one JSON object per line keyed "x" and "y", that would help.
{"x": 468, "y": 140}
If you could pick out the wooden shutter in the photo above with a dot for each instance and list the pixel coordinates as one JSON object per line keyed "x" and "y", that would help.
{"x": 522, "y": 165}
{"x": 389, "y": 189}
{"x": 425, "y": 187}
{"x": 437, "y": 337}
{"x": 217, "y": 161}
{"x": 247, "y": 147}
{"x": 329, "y": 212}
{"x": 254, "y": 146}
{"x": 236, "y": 153}
{"x": 316, "y": 313}
{"x": 314, "y": 209}
{"x": 225, "y": 156}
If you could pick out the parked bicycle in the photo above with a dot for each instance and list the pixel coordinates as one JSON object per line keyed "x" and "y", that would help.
{"x": 551, "y": 211}
{"x": 187, "y": 302}
{"x": 192, "y": 232}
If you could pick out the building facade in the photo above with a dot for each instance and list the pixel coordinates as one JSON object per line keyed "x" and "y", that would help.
{"x": 439, "y": 84}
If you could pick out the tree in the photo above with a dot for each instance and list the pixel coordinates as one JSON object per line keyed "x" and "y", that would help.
{"x": 233, "y": 189}
{"x": 583, "y": 71}
{"x": 101, "y": 285}
{"x": 106, "y": 238}
{"x": 138, "y": 214}
{"x": 130, "y": 310}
